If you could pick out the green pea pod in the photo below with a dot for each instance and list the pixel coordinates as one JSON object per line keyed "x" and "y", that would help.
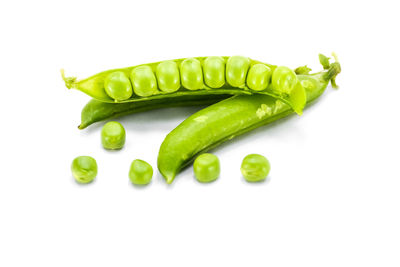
{"x": 96, "y": 111}
{"x": 236, "y": 75}
{"x": 229, "y": 118}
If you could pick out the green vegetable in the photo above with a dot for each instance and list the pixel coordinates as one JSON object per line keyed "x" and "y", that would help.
{"x": 229, "y": 118}
{"x": 144, "y": 81}
{"x": 84, "y": 169}
{"x": 236, "y": 71}
{"x": 259, "y": 77}
{"x": 95, "y": 111}
{"x": 113, "y": 135}
{"x": 118, "y": 86}
{"x": 140, "y": 172}
{"x": 206, "y": 168}
{"x": 255, "y": 168}
{"x": 193, "y": 77}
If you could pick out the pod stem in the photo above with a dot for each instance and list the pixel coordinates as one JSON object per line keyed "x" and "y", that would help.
{"x": 333, "y": 68}
{"x": 69, "y": 81}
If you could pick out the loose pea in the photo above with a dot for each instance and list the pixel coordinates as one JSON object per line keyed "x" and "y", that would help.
{"x": 255, "y": 168}
{"x": 84, "y": 169}
{"x": 259, "y": 77}
{"x": 236, "y": 70}
{"x": 191, "y": 74}
{"x": 118, "y": 86}
{"x": 113, "y": 135}
{"x": 214, "y": 71}
{"x": 144, "y": 81}
{"x": 206, "y": 168}
{"x": 140, "y": 172}
{"x": 284, "y": 79}
{"x": 168, "y": 78}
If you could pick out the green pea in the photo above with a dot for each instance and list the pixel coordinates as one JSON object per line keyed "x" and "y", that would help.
{"x": 191, "y": 74}
{"x": 206, "y": 168}
{"x": 214, "y": 71}
{"x": 84, "y": 169}
{"x": 259, "y": 77}
{"x": 255, "y": 168}
{"x": 113, "y": 135}
{"x": 236, "y": 70}
{"x": 118, "y": 86}
{"x": 168, "y": 78}
{"x": 144, "y": 81}
{"x": 284, "y": 79}
{"x": 140, "y": 172}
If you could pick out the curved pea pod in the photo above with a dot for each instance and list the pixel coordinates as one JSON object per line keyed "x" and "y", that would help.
{"x": 95, "y": 111}
{"x": 236, "y": 75}
{"x": 227, "y": 119}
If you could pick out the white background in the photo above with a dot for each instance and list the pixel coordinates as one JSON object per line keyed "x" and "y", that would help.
{"x": 331, "y": 199}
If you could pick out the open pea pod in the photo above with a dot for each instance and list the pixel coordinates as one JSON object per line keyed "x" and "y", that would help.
{"x": 236, "y": 75}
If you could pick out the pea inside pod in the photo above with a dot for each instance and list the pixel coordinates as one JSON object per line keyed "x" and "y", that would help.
{"x": 144, "y": 81}
{"x": 259, "y": 77}
{"x": 168, "y": 76}
{"x": 191, "y": 74}
{"x": 236, "y": 70}
{"x": 284, "y": 79}
{"x": 214, "y": 71}
{"x": 118, "y": 86}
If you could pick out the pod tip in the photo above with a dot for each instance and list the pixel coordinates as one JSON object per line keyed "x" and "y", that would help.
{"x": 69, "y": 81}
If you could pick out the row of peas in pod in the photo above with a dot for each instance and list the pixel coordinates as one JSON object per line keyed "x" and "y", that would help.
{"x": 212, "y": 75}
{"x": 191, "y": 74}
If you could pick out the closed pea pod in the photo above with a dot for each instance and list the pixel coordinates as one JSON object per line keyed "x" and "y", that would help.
{"x": 236, "y": 70}
{"x": 118, "y": 86}
{"x": 214, "y": 71}
{"x": 168, "y": 77}
{"x": 229, "y": 118}
{"x": 259, "y": 77}
{"x": 191, "y": 74}
{"x": 144, "y": 81}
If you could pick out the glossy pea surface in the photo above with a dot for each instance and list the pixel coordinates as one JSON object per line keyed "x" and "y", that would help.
{"x": 140, "y": 172}
{"x": 284, "y": 79}
{"x": 118, "y": 86}
{"x": 255, "y": 168}
{"x": 214, "y": 72}
{"x": 113, "y": 135}
{"x": 259, "y": 77}
{"x": 144, "y": 81}
{"x": 236, "y": 70}
{"x": 206, "y": 168}
{"x": 168, "y": 77}
{"x": 84, "y": 169}
{"x": 191, "y": 74}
